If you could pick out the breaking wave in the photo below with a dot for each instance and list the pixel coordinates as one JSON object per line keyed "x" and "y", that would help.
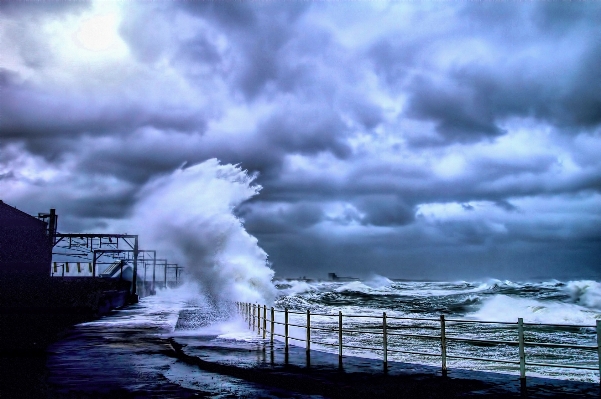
{"x": 188, "y": 216}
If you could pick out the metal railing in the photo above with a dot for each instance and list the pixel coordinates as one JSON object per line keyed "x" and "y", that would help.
{"x": 257, "y": 318}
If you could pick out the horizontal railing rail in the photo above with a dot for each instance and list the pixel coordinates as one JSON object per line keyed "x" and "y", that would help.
{"x": 258, "y": 319}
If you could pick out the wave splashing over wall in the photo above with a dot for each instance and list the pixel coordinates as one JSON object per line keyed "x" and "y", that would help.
{"x": 188, "y": 217}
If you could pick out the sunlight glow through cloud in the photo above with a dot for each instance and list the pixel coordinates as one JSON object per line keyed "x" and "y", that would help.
{"x": 98, "y": 33}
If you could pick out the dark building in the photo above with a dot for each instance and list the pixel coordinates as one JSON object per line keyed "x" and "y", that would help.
{"x": 25, "y": 245}
{"x": 25, "y": 257}
{"x": 34, "y": 306}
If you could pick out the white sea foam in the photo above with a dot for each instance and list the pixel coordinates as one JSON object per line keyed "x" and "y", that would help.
{"x": 377, "y": 281}
{"x": 188, "y": 217}
{"x": 586, "y": 293}
{"x": 508, "y": 309}
{"x": 295, "y": 287}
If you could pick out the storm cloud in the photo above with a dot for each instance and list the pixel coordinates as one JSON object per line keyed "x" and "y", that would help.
{"x": 416, "y": 140}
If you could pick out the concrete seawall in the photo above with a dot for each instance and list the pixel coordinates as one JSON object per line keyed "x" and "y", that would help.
{"x": 34, "y": 310}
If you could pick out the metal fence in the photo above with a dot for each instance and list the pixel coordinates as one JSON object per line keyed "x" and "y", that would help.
{"x": 259, "y": 320}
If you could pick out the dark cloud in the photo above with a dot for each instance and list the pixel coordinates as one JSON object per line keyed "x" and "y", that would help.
{"x": 258, "y": 34}
{"x": 464, "y": 138}
{"x": 385, "y": 210}
{"x": 232, "y": 15}
{"x": 394, "y": 60}
{"x": 467, "y": 207}
{"x": 506, "y": 205}
{"x": 307, "y": 130}
{"x": 561, "y": 17}
{"x": 105, "y": 205}
{"x": 280, "y": 218}
{"x": 28, "y": 113}
{"x": 459, "y": 112}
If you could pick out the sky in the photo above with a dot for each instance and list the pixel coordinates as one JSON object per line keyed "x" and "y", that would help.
{"x": 410, "y": 139}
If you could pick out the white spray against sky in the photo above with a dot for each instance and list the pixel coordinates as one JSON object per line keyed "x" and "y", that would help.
{"x": 188, "y": 217}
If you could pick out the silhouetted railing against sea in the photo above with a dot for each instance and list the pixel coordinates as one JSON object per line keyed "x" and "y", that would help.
{"x": 389, "y": 328}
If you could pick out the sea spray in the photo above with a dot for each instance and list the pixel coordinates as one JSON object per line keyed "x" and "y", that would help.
{"x": 586, "y": 293}
{"x": 188, "y": 217}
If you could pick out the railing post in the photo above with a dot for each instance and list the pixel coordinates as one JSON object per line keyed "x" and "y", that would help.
{"x": 443, "y": 344}
{"x": 249, "y": 316}
{"x": 599, "y": 347}
{"x": 258, "y": 319}
{"x": 264, "y": 320}
{"x": 272, "y": 325}
{"x": 254, "y": 314}
{"x": 340, "y": 337}
{"x": 308, "y": 331}
{"x": 521, "y": 349}
{"x": 385, "y": 341}
{"x": 286, "y": 329}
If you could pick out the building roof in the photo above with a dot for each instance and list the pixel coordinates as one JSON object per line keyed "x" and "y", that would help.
{"x": 13, "y": 217}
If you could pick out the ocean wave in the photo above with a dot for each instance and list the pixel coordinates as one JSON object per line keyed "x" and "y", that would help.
{"x": 506, "y": 308}
{"x": 585, "y": 293}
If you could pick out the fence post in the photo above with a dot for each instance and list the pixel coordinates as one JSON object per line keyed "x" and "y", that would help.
{"x": 308, "y": 330}
{"x": 254, "y": 315}
{"x": 443, "y": 345}
{"x": 340, "y": 337}
{"x": 286, "y": 329}
{"x": 248, "y": 315}
{"x": 599, "y": 347}
{"x": 521, "y": 348}
{"x": 385, "y": 341}
{"x": 264, "y": 320}
{"x": 272, "y": 325}
{"x": 258, "y": 319}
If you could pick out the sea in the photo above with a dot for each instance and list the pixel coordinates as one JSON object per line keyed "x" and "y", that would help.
{"x": 553, "y": 312}
{"x": 129, "y": 349}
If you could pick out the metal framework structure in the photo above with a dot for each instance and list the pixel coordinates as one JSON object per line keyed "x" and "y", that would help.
{"x": 166, "y": 266}
{"x": 91, "y": 247}
{"x": 81, "y": 245}
{"x": 177, "y": 271}
{"x": 122, "y": 254}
